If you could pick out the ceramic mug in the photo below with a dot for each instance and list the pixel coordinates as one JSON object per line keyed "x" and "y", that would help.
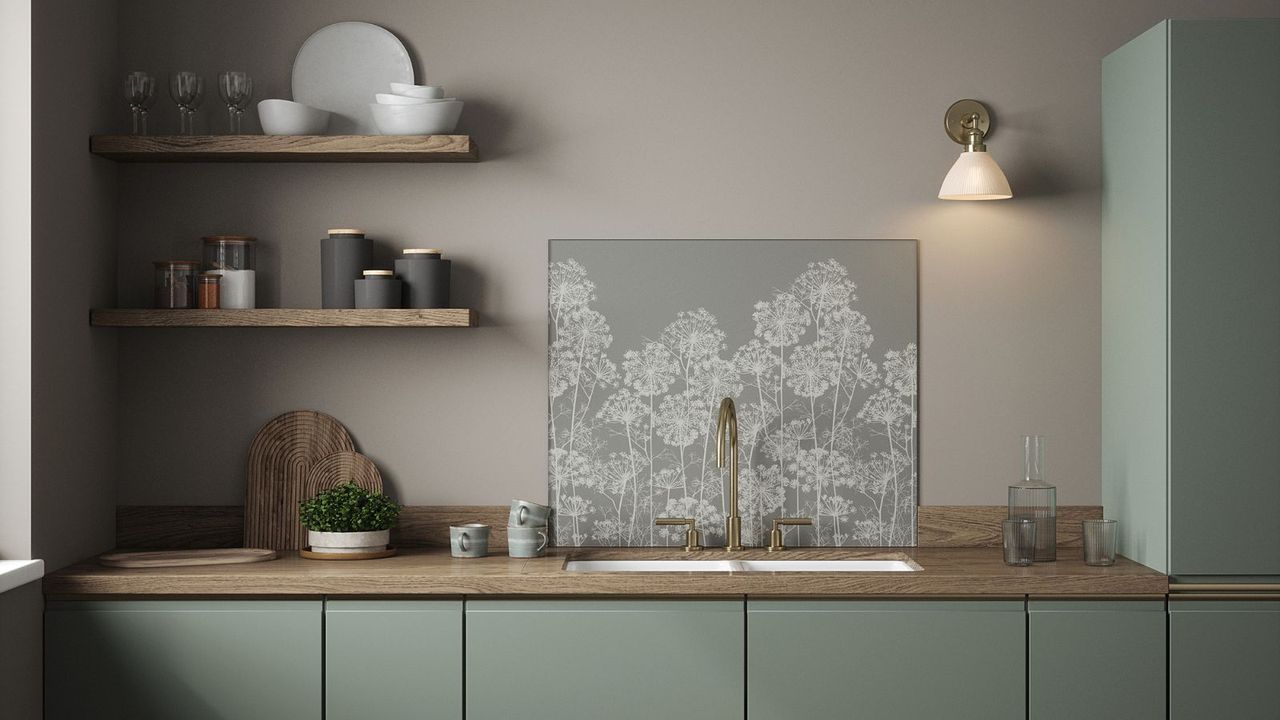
{"x": 469, "y": 541}
{"x": 527, "y": 542}
{"x": 526, "y": 513}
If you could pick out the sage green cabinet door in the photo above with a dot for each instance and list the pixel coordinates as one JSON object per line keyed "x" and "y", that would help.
{"x": 1078, "y": 650}
{"x": 878, "y": 659}
{"x": 189, "y": 659}
{"x": 1224, "y": 659}
{"x": 393, "y": 660}
{"x": 594, "y": 659}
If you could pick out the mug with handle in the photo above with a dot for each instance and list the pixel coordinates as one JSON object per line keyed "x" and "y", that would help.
{"x": 526, "y": 513}
{"x": 469, "y": 541}
{"x": 527, "y": 542}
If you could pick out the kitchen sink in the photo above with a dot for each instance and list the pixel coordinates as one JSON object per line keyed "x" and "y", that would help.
{"x": 838, "y": 566}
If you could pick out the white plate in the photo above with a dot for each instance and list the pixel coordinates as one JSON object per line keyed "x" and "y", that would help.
{"x": 341, "y": 66}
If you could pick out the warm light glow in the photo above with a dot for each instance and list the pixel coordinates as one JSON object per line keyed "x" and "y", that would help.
{"x": 975, "y": 176}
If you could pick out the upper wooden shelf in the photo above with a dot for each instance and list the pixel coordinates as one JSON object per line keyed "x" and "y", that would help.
{"x": 285, "y": 148}
{"x": 284, "y": 317}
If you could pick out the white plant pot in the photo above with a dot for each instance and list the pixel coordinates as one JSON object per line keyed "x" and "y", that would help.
{"x": 348, "y": 542}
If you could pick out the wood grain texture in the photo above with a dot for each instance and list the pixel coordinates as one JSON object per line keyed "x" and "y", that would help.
{"x": 339, "y": 468}
{"x": 283, "y": 317}
{"x": 980, "y": 525}
{"x": 285, "y": 148}
{"x": 428, "y": 525}
{"x": 281, "y": 456}
{"x": 183, "y": 558}
{"x": 222, "y": 526}
{"x": 945, "y": 572}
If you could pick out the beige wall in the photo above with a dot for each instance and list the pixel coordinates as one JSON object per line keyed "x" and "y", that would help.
{"x": 73, "y": 449}
{"x": 674, "y": 119}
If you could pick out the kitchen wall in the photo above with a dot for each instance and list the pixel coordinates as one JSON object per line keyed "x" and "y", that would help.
{"x": 636, "y": 119}
{"x": 73, "y": 446}
{"x": 15, "y": 295}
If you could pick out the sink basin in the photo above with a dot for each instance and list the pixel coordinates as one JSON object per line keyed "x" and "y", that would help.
{"x": 650, "y": 566}
{"x": 825, "y": 566}
{"x": 860, "y": 565}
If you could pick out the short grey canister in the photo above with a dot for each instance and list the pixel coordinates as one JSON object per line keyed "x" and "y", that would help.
{"x": 426, "y": 278}
{"x": 377, "y": 290}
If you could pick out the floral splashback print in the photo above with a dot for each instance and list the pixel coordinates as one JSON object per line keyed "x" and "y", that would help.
{"x": 826, "y": 407}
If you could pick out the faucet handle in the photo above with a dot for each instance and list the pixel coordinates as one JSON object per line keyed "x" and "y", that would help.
{"x": 692, "y": 538}
{"x": 775, "y": 536}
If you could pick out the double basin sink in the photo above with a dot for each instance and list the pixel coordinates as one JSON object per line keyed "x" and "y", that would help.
{"x": 741, "y": 566}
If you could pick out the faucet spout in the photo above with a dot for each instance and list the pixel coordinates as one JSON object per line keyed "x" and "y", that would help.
{"x": 727, "y": 444}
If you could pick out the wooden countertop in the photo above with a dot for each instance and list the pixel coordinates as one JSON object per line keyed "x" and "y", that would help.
{"x": 944, "y": 572}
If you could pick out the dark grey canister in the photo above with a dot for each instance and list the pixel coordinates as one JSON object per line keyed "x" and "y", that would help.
{"x": 377, "y": 293}
{"x": 343, "y": 256}
{"x": 426, "y": 280}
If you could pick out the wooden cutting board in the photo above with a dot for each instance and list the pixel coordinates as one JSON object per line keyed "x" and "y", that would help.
{"x": 281, "y": 457}
{"x": 176, "y": 558}
{"x": 339, "y": 468}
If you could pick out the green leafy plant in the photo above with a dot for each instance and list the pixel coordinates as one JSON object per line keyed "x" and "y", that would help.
{"x": 348, "y": 508}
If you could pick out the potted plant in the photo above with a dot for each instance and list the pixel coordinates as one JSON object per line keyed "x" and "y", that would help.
{"x": 348, "y": 519}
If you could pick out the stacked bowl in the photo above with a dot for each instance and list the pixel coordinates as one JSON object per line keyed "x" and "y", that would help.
{"x": 527, "y": 534}
{"x": 415, "y": 110}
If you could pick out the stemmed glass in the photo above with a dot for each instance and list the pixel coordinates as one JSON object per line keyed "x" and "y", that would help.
{"x": 187, "y": 90}
{"x": 236, "y": 89}
{"x": 140, "y": 91}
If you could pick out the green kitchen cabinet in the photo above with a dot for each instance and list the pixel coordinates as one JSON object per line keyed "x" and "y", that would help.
{"x": 1079, "y": 650}
{"x": 393, "y": 660}
{"x": 1224, "y": 659}
{"x": 878, "y": 659}
{"x": 616, "y": 659}
{"x": 190, "y": 659}
{"x": 1191, "y": 296}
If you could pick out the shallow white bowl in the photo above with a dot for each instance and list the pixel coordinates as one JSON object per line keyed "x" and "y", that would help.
{"x": 393, "y": 99}
{"x": 419, "y": 91}
{"x": 285, "y": 117}
{"x": 438, "y": 118}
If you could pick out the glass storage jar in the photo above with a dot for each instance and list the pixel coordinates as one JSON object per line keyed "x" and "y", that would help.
{"x": 176, "y": 283}
{"x": 234, "y": 257}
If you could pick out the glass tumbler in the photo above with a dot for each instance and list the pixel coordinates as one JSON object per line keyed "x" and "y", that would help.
{"x": 1099, "y": 542}
{"x": 1019, "y": 541}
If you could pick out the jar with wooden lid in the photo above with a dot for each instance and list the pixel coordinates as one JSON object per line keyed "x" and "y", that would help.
{"x": 426, "y": 278}
{"x": 377, "y": 290}
{"x": 234, "y": 257}
{"x": 175, "y": 283}
{"x": 209, "y": 286}
{"x": 343, "y": 255}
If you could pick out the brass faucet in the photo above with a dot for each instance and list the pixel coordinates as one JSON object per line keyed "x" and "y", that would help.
{"x": 729, "y": 420}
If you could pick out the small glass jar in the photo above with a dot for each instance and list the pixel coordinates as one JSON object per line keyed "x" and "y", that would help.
{"x": 209, "y": 284}
{"x": 234, "y": 257}
{"x": 176, "y": 283}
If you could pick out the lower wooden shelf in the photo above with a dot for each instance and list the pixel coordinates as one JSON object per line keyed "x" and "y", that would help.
{"x": 283, "y": 317}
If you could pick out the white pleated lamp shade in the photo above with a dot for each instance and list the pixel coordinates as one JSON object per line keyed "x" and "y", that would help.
{"x": 975, "y": 176}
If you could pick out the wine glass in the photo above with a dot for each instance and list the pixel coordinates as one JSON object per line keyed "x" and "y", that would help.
{"x": 236, "y": 89}
{"x": 140, "y": 91}
{"x": 187, "y": 90}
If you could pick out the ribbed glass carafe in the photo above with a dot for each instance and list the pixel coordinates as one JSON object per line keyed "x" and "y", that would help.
{"x": 1035, "y": 499}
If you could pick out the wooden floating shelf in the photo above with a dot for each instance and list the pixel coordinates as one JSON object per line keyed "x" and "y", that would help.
{"x": 284, "y": 317}
{"x": 285, "y": 148}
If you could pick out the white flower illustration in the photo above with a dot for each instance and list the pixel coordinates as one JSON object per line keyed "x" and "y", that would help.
{"x": 824, "y": 430}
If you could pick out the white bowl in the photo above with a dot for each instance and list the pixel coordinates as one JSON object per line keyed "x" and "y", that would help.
{"x": 392, "y": 99}
{"x": 285, "y": 117}
{"x": 440, "y": 118}
{"x": 419, "y": 91}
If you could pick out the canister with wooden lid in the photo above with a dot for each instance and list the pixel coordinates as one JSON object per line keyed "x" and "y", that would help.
{"x": 426, "y": 278}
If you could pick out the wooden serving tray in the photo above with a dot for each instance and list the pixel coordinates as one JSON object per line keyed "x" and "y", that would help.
{"x": 178, "y": 558}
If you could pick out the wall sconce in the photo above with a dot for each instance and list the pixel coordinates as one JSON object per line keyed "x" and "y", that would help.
{"x": 975, "y": 176}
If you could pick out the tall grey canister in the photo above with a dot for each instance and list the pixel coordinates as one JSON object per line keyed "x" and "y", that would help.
{"x": 426, "y": 278}
{"x": 377, "y": 290}
{"x": 343, "y": 256}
